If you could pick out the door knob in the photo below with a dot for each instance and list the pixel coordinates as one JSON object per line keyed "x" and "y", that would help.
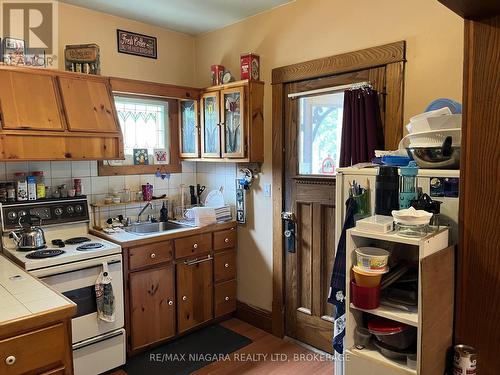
{"x": 195, "y": 246}
{"x": 184, "y": 298}
{"x": 226, "y": 265}
{"x": 170, "y": 302}
{"x": 226, "y": 240}
{"x": 153, "y": 255}
{"x": 10, "y": 360}
{"x": 226, "y": 299}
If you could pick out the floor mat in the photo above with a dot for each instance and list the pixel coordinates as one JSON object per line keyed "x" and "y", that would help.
{"x": 187, "y": 354}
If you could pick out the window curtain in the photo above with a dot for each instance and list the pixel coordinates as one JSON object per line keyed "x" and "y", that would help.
{"x": 362, "y": 131}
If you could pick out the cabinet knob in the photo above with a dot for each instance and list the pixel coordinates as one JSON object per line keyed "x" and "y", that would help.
{"x": 170, "y": 302}
{"x": 195, "y": 246}
{"x": 10, "y": 360}
{"x": 152, "y": 256}
{"x": 226, "y": 240}
{"x": 184, "y": 298}
{"x": 226, "y": 265}
{"x": 226, "y": 299}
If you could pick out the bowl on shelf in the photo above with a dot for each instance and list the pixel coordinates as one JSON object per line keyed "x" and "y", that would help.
{"x": 371, "y": 258}
{"x": 394, "y": 334}
{"x": 396, "y": 354}
{"x": 368, "y": 279}
{"x": 367, "y": 298}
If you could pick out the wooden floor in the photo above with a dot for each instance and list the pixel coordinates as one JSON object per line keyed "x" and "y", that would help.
{"x": 267, "y": 355}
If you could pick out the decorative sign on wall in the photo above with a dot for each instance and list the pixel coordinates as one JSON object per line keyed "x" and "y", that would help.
{"x": 136, "y": 44}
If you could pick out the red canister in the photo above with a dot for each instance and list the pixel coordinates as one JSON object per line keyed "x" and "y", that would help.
{"x": 217, "y": 72}
{"x": 365, "y": 297}
{"x": 250, "y": 66}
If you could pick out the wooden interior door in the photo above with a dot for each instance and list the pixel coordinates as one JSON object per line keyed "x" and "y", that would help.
{"x": 152, "y": 296}
{"x": 89, "y": 105}
{"x": 29, "y": 101}
{"x": 194, "y": 292}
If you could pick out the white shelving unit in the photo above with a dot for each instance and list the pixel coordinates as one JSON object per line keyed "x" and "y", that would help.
{"x": 433, "y": 317}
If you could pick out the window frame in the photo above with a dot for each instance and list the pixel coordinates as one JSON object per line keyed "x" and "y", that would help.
{"x": 174, "y": 165}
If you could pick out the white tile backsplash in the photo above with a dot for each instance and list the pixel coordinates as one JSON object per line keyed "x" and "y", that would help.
{"x": 60, "y": 169}
{"x": 80, "y": 169}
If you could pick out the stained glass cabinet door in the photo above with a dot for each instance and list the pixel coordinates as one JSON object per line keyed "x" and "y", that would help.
{"x": 233, "y": 131}
{"x": 210, "y": 121}
{"x": 189, "y": 129}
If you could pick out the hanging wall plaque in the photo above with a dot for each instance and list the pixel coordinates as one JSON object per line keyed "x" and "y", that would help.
{"x": 136, "y": 44}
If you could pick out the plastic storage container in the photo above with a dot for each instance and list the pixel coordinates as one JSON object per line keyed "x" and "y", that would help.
{"x": 361, "y": 337}
{"x": 365, "y": 297}
{"x": 372, "y": 258}
{"x": 394, "y": 334}
{"x": 366, "y": 278}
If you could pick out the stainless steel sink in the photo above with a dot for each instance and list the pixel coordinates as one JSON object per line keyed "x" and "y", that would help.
{"x": 147, "y": 227}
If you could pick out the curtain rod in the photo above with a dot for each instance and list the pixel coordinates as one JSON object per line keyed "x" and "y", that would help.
{"x": 330, "y": 89}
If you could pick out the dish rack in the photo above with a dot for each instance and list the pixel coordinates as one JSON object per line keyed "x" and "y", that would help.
{"x": 180, "y": 214}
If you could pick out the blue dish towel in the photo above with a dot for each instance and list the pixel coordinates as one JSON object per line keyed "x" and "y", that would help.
{"x": 337, "y": 282}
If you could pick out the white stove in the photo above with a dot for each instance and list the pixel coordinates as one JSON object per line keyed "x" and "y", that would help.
{"x": 72, "y": 269}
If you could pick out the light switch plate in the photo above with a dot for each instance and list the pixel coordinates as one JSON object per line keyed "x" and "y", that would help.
{"x": 267, "y": 190}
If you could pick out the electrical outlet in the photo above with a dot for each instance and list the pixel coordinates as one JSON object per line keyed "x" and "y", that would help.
{"x": 267, "y": 190}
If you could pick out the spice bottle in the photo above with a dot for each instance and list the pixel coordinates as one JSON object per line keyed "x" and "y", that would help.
{"x": 3, "y": 192}
{"x": 31, "y": 180}
{"x": 40, "y": 185}
{"x": 21, "y": 186}
{"x": 78, "y": 186}
{"x": 11, "y": 192}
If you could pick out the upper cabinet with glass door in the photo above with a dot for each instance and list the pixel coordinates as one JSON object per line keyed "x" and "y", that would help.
{"x": 232, "y": 122}
{"x": 189, "y": 129}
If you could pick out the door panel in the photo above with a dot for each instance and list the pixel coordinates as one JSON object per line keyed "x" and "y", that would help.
{"x": 29, "y": 101}
{"x": 89, "y": 105}
{"x": 194, "y": 293}
{"x": 210, "y": 125}
{"x": 152, "y": 300}
{"x": 189, "y": 128}
{"x": 233, "y": 121}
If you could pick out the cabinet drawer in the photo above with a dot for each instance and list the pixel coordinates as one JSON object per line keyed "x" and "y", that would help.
{"x": 193, "y": 245}
{"x": 225, "y": 239}
{"x": 149, "y": 255}
{"x": 225, "y": 265}
{"x": 44, "y": 348}
{"x": 225, "y": 298}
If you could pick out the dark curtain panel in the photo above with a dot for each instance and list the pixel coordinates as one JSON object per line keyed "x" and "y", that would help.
{"x": 362, "y": 131}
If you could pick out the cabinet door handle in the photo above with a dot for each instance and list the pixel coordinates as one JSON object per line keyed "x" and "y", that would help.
{"x": 170, "y": 302}
{"x": 184, "y": 298}
{"x": 195, "y": 246}
{"x": 196, "y": 260}
{"x": 226, "y": 265}
{"x": 10, "y": 360}
{"x": 226, "y": 240}
{"x": 152, "y": 256}
{"x": 226, "y": 299}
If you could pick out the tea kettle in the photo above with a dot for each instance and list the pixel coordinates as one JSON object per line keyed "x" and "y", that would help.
{"x": 29, "y": 237}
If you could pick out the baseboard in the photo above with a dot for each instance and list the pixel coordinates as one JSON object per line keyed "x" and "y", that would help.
{"x": 255, "y": 316}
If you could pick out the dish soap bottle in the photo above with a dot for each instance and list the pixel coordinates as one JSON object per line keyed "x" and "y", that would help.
{"x": 164, "y": 213}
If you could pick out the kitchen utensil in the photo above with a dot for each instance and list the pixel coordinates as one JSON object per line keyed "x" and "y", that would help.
{"x": 192, "y": 194}
{"x": 371, "y": 258}
{"x": 408, "y": 187}
{"x": 30, "y": 236}
{"x": 361, "y": 337}
{"x": 392, "y": 353}
{"x": 386, "y": 190}
{"x": 368, "y": 279}
{"x": 365, "y": 297}
{"x": 214, "y": 199}
{"x": 395, "y": 334}
{"x": 452, "y": 105}
{"x": 393, "y": 276}
{"x": 199, "y": 190}
{"x": 411, "y": 216}
{"x": 412, "y": 231}
{"x": 435, "y": 158}
{"x": 431, "y": 138}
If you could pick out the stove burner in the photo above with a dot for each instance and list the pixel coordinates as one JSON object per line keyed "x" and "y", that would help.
{"x": 58, "y": 243}
{"x": 48, "y": 253}
{"x": 76, "y": 240}
{"x": 90, "y": 246}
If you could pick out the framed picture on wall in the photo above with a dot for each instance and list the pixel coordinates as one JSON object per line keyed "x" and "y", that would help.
{"x": 136, "y": 44}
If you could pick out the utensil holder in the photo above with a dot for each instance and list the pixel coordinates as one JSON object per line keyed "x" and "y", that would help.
{"x": 363, "y": 202}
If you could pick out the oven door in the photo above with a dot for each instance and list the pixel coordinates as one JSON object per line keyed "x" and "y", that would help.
{"x": 76, "y": 281}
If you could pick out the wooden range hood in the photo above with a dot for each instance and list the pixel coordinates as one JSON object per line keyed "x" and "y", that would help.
{"x": 55, "y": 115}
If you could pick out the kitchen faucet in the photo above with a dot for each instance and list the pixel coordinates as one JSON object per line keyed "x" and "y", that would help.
{"x": 150, "y": 205}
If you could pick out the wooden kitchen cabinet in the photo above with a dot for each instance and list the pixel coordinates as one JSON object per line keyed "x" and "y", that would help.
{"x": 152, "y": 299}
{"x": 189, "y": 129}
{"x": 89, "y": 104}
{"x": 54, "y": 115}
{"x": 29, "y": 101}
{"x": 177, "y": 282}
{"x": 232, "y": 122}
{"x": 194, "y": 292}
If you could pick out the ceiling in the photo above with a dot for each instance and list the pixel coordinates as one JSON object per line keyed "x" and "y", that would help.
{"x": 187, "y": 16}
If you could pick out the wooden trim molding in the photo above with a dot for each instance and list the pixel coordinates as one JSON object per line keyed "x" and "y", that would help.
{"x": 131, "y": 86}
{"x": 255, "y": 316}
{"x": 386, "y": 65}
{"x": 346, "y": 62}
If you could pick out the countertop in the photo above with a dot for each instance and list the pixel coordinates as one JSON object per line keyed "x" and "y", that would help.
{"x": 24, "y": 297}
{"x": 126, "y": 239}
